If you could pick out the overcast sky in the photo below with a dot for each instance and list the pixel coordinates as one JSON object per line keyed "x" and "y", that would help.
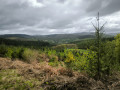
{"x": 57, "y": 16}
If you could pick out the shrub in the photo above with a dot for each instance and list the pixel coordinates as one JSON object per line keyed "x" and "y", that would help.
{"x": 16, "y": 52}
{"x": 61, "y": 56}
{"x": 69, "y": 57}
{"x": 3, "y": 50}
{"x": 29, "y": 55}
{"x": 117, "y": 47}
{"x": 53, "y": 61}
{"x": 53, "y": 58}
{"x": 54, "y": 64}
{"x": 21, "y": 52}
{"x": 9, "y": 53}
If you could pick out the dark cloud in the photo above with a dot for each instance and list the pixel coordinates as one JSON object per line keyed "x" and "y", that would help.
{"x": 112, "y": 7}
{"x": 105, "y": 7}
{"x": 95, "y": 5}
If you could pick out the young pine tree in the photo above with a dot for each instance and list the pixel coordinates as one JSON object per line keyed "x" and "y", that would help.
{"x": 98, "y": 34}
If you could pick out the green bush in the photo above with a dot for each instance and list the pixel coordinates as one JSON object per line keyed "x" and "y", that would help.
{"x": 54, "y": 64}
{"x": 16, "y": 52}
{"x": 30, "y": 55}
{"x": 21, "y": 52}
{"x": 117, "y": 47}
{"x": 61, "y": 56}
{"x": 53, "y": 60}
{"x": 9, "y": 53}
{"x": 3, "y": 50}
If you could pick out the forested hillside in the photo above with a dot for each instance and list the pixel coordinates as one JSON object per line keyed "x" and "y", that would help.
{"x": 27, "y": 43}
{"x": 54, "y": 38}
{"x": 77, "y": 60}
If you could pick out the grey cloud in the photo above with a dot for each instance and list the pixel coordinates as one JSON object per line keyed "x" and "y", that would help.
{"x": 55, "y": 16}
{"x": 95, "y": 5}
{"x": 112, "y": 7}
{"x": 62, "y": 1}
{"x": 105, "y": 7}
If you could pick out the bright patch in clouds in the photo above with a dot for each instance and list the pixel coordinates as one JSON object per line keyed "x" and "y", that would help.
{"x": 113, "y": 20}
{"x": 35, "y": 3}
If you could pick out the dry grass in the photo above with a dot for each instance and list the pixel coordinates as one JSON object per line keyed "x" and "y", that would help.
{"x": 44, "y": 57}
{"x": 48, "y": 77}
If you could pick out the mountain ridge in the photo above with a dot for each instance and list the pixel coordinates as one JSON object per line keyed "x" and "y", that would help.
{"x": 54, "y": 38}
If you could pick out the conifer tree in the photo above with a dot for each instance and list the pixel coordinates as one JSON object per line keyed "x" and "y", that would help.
{"x": 98, "y": 34}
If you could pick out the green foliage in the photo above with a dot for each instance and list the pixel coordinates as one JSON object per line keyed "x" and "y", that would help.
{"x": 29, "y": 55}
{"x": 84, "y": 44}
{"x": 50, "y": 52}
{"x": 53, "y": 58}
{"x": 77, "y": 59}
{"x": 69, "y": 57}
{"x": 28, "y": 43}
{"x": 65, "y": 46}
{"x": 61, "y": 56}
{"x": 117, "y": 47}
{"x": 3, "y": 50}
{"x": 10, "y": 80}
{"x": 9, "y": 53}
{"x": 83, "y": 60}
{"x": 91, "y": 63}
{"x": 54, "y": 64}
{"x": 16, "y": 52}
{"x": 108, "y": 57}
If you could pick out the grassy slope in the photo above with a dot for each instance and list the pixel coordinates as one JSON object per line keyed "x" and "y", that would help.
{"x": 17, "y": 75}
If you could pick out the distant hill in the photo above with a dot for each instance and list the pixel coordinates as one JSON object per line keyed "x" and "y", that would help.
{"x": 22, "y": 37}
{"x": 53, "y": 38}
{"x": 15, "y": 35}
{"x": 65, "y": 38}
